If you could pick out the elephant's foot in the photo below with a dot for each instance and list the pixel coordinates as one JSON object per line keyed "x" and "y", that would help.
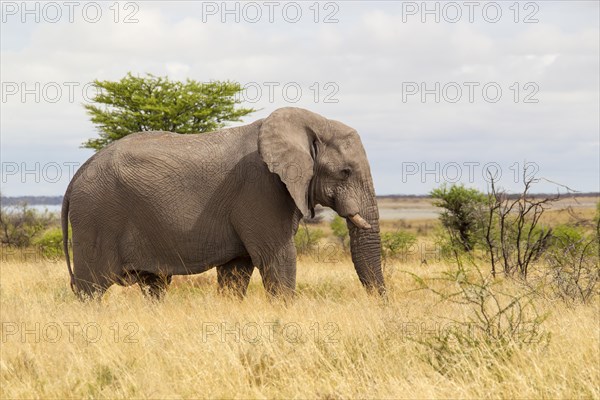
{"x": 279, "y": 273}
{"x": 279, "y": 282}
{"x": 153, "y": 286}
{"x": 234, "y": 276}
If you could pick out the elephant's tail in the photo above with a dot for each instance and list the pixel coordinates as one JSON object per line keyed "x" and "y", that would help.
{"x": 64, "y": 217}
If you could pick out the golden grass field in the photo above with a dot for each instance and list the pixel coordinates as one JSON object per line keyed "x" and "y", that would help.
{"x": 332, "y": 341}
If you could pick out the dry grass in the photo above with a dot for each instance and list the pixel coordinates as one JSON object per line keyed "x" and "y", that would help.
{"x": 197, "y": 344}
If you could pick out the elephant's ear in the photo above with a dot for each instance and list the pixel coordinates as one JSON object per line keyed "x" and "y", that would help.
{"x": 285, "y": 143}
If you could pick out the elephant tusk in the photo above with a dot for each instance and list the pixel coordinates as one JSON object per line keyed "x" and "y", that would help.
{"x": 360, "y": 222}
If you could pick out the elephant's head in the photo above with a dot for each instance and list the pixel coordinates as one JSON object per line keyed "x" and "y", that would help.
{"x": 324, "y": 162}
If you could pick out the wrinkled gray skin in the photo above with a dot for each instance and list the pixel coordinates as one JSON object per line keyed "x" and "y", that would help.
{"x": 153, "y": 205}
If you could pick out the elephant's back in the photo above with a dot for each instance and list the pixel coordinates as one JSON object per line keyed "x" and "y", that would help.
{"x": 176, "y": 142}
{"x": 226, "y": 146}
{"x": 165, "y": 177}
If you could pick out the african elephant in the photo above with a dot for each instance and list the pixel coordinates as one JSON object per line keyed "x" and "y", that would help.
{"x": 157, "y": 204}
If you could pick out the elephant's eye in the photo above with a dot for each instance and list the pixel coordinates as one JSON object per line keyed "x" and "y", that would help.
{"x": 346, "y": 172}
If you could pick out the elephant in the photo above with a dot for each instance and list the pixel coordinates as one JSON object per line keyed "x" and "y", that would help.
{"x": 156, "y": 204}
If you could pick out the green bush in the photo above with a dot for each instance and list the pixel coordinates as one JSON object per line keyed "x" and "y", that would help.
{"x": 340, "y": 230}
{"x": 463, "y": 213}
{"x": 51, "y": 243}
{"x": 572, "y": 262}
{"x": 396, "y": 245}
{"x": 306, "y": 239}
{"x": 564, "y": 235}
{"x": 20, "y": 225}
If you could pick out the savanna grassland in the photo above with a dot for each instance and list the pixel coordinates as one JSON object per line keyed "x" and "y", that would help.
{"x": 332, "y": 341}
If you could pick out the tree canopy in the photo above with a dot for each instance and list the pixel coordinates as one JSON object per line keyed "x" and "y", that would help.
{"x": 151, "y": 103}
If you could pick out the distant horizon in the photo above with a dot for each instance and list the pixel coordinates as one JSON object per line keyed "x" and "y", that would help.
{"x": 57, "y": 199}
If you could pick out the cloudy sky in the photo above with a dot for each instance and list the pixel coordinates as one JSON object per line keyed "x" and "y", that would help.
{"x": 437, "y": 92}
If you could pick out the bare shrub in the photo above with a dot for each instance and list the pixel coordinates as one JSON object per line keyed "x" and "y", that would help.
{"x": 498, "y": 322}
{"x": 514, "y": 236}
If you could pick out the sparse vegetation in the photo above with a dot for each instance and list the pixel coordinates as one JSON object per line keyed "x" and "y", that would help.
{"x": 339, "y": 228}
{"x": 51, "y": 244}
{"x": 395, "y": 246}
{"x": 515, "y": 236}
{"x": 497, "y": 323}
{"x": 307, "y": 239}
{"x": 21, "y": 225}
{"x": 333, "y": 341}
{"x": 447, "y": 330}
{"x": 573, "y": 261}
{"x": 516, "y": 239}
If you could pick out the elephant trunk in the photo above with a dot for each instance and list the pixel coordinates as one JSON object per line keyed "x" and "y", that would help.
{"x": 365, "y": 246}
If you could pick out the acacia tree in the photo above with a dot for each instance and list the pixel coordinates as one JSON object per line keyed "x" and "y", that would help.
{"x": 151, "y": 103}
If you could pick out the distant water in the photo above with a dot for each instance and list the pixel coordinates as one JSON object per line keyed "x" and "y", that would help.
{"x": 53, "y": 208}
{"x": 407, "y": 214}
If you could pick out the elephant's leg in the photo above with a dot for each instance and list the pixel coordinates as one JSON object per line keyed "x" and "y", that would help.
{"x": 89, "y": 289}
{"x": 234, "y": 276}
{"x": 153, "y": 286}
{"x": 279, "y": 274}
{"x": 90, "y": 275}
